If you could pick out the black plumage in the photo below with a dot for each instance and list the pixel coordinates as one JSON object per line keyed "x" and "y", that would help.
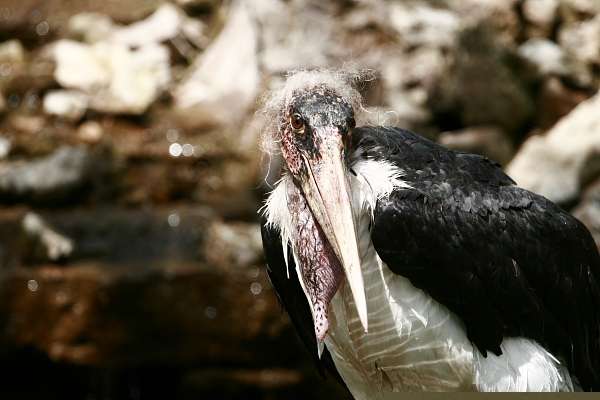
{"x": 508, "y": 262}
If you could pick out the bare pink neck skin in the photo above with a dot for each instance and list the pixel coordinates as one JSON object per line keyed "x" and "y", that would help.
{"x": 321, "y": 270}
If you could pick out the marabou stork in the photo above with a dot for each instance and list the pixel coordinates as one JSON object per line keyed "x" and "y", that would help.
{"x": 407, "y": 266}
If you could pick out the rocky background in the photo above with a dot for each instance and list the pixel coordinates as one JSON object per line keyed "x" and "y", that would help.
{"x": 131, "y": 262}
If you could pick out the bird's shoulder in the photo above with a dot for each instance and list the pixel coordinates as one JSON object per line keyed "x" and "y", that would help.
{"x": 423, "y": 161}
{"x": 458, "y": 185}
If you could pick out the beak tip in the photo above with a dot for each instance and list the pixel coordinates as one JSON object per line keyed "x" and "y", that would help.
{"x": 320, "y": 347}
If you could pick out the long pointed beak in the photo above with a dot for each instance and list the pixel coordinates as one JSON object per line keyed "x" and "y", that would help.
{"x": 326, "y": 190}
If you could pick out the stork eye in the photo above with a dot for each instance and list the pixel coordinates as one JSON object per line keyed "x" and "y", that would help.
{"x": 296, "y": 121}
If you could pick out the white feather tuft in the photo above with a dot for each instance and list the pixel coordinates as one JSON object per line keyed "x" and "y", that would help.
{"x": 277, "y": 214}
{"x": 524, "y": 366}
{"x": 342, "y": 82}
{"x": 375, "y": 180}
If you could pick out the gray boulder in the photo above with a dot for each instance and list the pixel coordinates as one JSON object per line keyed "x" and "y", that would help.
{"x": 559, "y": 163}
{"x": 53, "y": 178}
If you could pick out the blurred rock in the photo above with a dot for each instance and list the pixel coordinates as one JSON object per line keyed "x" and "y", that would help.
{"x": 67, "y": 104}
{"x": 117, "y": 79}
{"x": 12, "y": 51}
{"x": 34, "y": 76}
{"x": 52, "y": 178}
{"x": 542, "y": 14}
{"x": 243, "y": 380}
{"x": 120, "y": 302}
{"x": 285, "y": 30}
{"x": 37, "y": 21}
{"x": 230, "y": 188}
{"x": 166, "y": 23}
{"x": 481, "y": 86}
{"x": 43, "y": 239}
{"x": 555, "y": 100}
{"x": 420, "y": 68}
{"x": 2, "y": 104}
{"x": 90, "y": 27}
{"x": 585, "y": 7}
{"x": 427, "y": 35}
{"x": 588, "y": 211}
{"x": 367, "y": 15}
{"x": 233, "y": 245}
{"x": 195, "y": 32}
{"x": 12, "y": 60}
{"x": 419, "y": 24}
{"x": 249, "y": 379}
{"x": 557, "y": 164}
{"x": 166, "y": 163}
{"x": 197, "y": 3}
{"x": 227, "y": 184}
{"x": 407, "y": 81}
{"x": 582, "y": 40}
{"x": 223, "y": 82}
{"x": 5, "y": 147}
{"x": 80, "y": 66}
{"x": 408, "y": 110}
{"x": 500, "y": 16}
{"x": 485, "y": 140}
{"x": 90, "y": 132}
{"x": 98, "y": 315}
{"x": 274, "y": 383}
{"x": 547, "y": 56}
{"x": 29, "y": 124}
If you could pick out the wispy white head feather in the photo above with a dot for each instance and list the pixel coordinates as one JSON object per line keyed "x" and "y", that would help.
{"x": 342, "y": 82}
{"x": 277, "y": 214}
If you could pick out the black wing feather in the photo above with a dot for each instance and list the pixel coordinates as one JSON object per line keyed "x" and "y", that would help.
{"x": 508, "y": 262}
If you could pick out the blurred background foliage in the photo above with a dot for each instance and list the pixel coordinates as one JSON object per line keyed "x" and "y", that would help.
{"x": 130, "y": 175}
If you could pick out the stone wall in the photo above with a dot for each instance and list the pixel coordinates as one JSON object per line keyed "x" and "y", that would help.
{"x": 130, "y": 175}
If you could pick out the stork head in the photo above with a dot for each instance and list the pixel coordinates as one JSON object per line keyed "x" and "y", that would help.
{"x": 315, "y": 119}
{"x": 316, "y": 124}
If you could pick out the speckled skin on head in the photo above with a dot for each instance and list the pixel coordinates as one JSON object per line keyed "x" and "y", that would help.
{"x": 318, "y": 108}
